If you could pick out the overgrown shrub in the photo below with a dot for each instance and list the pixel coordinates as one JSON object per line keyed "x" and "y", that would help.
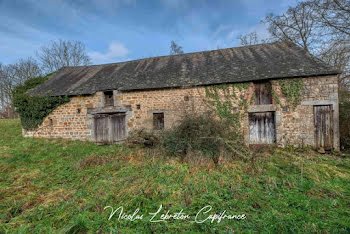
{"x": 344, "y": 120}
{"x": 33, "y": 109}
{"x": 205, "y": 134}
{"x": 142, "y": 138}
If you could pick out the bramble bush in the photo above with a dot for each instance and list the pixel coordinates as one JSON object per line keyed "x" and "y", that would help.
{"x": 205, "y": 134}
{"x": 196, "y": 134}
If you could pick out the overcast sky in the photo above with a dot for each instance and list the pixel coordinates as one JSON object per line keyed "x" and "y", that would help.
{"x": 119, "y": 30}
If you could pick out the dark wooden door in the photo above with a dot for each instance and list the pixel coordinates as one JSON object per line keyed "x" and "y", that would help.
{"x": 109, "y": 128}
{"x": 102, "y": 132}
{"x": 262, "y": 128}
{"x": 118, "y": 126}
{"x": 262, "y": 93}
{"x": 323, "y": 127}
{"x": 158, "y": 121}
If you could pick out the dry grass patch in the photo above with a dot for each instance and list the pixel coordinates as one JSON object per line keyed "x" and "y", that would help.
{"x": 55, "y": 196}
{"x": 93, "y": 161}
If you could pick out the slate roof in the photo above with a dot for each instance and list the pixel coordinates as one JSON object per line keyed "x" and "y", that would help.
{"x": 232, "y": 65}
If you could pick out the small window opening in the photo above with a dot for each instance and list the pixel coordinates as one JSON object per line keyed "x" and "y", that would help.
{"x": 138, "y": 106}
{"x": 78, "y": 110}
{"x": 186, "y": 98}
{"x": 50, "y": 122}
{"x": 158, "y": 121}
{"x": 285, "y": 109}
{"x": 109, "y": 98}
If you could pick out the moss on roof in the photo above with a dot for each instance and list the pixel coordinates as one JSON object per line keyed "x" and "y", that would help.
{"x": 232, "y": 65}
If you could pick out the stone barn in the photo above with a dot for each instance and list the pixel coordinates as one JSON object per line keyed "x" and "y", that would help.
{"x": 284, "y": 96}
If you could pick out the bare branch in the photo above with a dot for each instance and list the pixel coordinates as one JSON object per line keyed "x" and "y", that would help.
{"x": 296, "y": 25}
{"x": 175, "y": 48}
{"x": 252, "y": 39}
{"x": 333, "y": 15}
{"x": 12, "y": 75}
{"x": 63, "y": 53}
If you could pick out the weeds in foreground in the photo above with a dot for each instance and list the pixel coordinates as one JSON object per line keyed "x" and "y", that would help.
{"x": 61, "y": 186}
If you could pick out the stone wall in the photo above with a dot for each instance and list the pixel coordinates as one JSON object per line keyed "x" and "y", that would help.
{"x": 67, "y": 121}
{"x": 293, "y": 126}
{"x": 297, "y": 126}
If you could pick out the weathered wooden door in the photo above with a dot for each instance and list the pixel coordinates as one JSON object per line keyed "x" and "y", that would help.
{"x": 262, "y": 128}
{"x": 323, "y": 127}
{"x": 118, "y": 126}
{"x": 109, "y": 128}
{"x": 102, "y": 133}
{"x": 262, "y": 93}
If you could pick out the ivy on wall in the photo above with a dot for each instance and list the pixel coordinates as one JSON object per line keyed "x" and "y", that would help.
{"x": 224, "y": 99}
{"x": 33, "y": 109}
{"x": 292, "y": 89}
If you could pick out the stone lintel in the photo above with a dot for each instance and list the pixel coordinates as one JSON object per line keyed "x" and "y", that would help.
{"x": 93, "y": 111}
{"x": 317, "y": 103}
{"x": 157, "y": 111}
{"x": 261, "y": 108}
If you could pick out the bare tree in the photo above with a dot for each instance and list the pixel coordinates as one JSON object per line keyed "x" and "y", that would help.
{"x": 63, "y": 53}
{"x": 23, "y": 70}
{"x": 321, "y": 27}
{"x": 249, "y": 39}
{"x": 337, "y": 54}
{"x": 175, "y": 48}
{"x": 6, "y": 88}
{"x": 333, "y": 15}
{"x": 252, "y": 38}
{"x": 296, "y": 25}
{"x": 12, "y": 75}
{"x": 2, "y": 89}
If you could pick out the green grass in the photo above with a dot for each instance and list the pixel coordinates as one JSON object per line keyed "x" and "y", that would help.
{"x": 49, "y": 186}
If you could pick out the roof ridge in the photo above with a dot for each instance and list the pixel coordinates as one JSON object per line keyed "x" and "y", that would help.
{"x": 177, "y": 55}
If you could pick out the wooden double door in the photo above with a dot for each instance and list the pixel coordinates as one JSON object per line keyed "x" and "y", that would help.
{"x": 109, "y": 128}
{"x": 323, "y": 127}
{"x": 262, "y": 128}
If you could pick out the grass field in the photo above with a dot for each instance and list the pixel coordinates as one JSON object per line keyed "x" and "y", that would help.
{"x": 49, "y": 186}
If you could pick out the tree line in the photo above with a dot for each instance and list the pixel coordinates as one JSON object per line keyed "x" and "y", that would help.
{"x": 48, "y": 59}
{"x": 321, "y": 27}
